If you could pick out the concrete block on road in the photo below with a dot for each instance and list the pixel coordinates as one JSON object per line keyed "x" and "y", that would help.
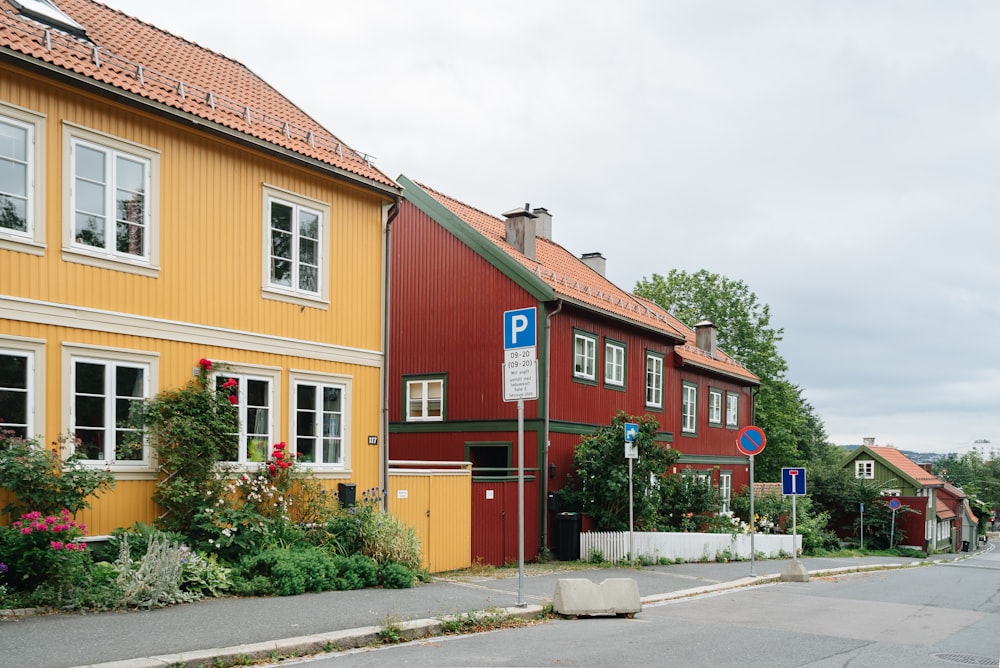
{"x": 795, "y": 572}
{"x": 613, "y": 596}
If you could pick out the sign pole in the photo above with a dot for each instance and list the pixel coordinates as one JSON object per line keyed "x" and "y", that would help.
{"x": 892, "y": 530}
{"x": 631, "y": 550}
{"x": 753, "y": 526}
{"x": 862, "y": 526}
{"x": 521, "y": 603}
{"x": 795, "y": 552}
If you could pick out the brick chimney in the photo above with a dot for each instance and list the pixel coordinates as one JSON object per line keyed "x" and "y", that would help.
{"x": 595, "y": 261}
{"x": 706, "y": 336}
{"x": 521, "y": 231}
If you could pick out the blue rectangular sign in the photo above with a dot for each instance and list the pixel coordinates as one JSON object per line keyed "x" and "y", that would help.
{"x": 793, "y": 481}
{"x": 519, "y": 328}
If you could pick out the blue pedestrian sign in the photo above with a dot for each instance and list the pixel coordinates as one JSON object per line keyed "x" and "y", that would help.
{"x": 631, "y": 431}
{"x": 793, "y": 481}
{"x": 519, "y": 328}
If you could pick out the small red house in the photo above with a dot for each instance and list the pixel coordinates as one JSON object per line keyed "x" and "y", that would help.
{"x": 600, "y": 349}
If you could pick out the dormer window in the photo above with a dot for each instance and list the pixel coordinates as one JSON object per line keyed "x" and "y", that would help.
{"x": 45, "y": 12}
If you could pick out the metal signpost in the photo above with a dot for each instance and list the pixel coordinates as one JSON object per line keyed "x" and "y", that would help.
{"x": 894, "y": 503}
{"x": 751, "y": 441}
{"x": 631, "y": 452}
{"x": 862, "y": 526}
{"x": 793, "y": 484}
{"x": 520, "y": 382}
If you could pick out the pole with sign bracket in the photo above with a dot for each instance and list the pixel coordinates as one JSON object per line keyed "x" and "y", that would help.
{"x": 520, "y": 382}
{"x": 751, "y": 441}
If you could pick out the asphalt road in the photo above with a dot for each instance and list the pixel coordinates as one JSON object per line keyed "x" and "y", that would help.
{"x": 937, "y": 616}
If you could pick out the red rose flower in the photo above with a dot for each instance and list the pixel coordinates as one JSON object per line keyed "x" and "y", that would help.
{"x": 233, "y": 399}
{"x": 205, "y": 364}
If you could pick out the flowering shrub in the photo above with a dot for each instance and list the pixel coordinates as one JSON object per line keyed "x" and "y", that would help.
{"x": 41, "y": 480}
{"x": 192, "y": 431}
{"x": 41, "y": 549}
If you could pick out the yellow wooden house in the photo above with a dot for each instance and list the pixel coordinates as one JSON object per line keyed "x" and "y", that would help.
{"x": 161, "y": 204}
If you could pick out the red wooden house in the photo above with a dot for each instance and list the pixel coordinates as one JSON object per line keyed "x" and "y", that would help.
{"x": 455, "y": 271}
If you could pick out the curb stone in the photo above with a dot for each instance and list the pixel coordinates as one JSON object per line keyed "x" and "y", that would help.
{"x": 303, "y": 645}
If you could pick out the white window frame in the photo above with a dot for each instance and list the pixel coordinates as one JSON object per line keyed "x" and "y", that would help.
{"x": 321, "y": 382}
{"x": 320, "y": 297}
{"x": 425, "y": 385}
{"x": 111, "y": 358}
{"x": 614, "y": 363}
{"x": 654, "y": 380}
{"x": 108, "y": 257}
{"x": 715, "y": 407}
{"x": 732, "y": 410}
{"x": 32, "y": 239}
{"x": 689, "y": 408}
{"x": 33, "y": 351}
{"x": 243, "y": 375}
{"x": 725, "y": 490}
{"x": 585, "y": 356}
{"x": 864, "y": 469}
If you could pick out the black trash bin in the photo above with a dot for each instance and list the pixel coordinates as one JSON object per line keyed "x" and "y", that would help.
{"x": 568, "y": 534}
{"x": 965, "y": 546}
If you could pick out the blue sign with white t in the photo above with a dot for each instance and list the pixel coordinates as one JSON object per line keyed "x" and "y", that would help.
{"x": 519, "y": 328}
{"x": 793, "y": 481}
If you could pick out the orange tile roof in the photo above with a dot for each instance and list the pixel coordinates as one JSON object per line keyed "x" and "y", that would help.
{"x": 141, "y": 60}
{"x": 943, "y": 512}
{"x": 574, "y": 280}
{"x": 906, "y": 465}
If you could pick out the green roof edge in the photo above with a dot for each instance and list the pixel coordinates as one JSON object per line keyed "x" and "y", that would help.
{"x": 472, "y": 238}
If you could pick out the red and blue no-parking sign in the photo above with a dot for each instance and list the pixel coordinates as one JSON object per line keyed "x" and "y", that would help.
{"x": 751, "y": 440}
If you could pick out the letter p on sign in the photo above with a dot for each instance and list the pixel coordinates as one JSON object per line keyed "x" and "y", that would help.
{"x": 519, "y": 328}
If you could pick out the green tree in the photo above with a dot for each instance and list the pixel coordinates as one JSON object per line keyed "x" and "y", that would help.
{"x": 598, "y": 484}
{"x": 978, "y": 475}
{"x": 795, "y": 434}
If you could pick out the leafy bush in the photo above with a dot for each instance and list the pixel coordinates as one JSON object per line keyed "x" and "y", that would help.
{"x": 191, "y": 430}
{"x": 296, "y": 570}
{"x": 598, "y": 483}
{"x": 369, "y": 530}
{"x": 395, "y": 576}
{"x": 39, "y": 550}
{"x": 42, "y": 481}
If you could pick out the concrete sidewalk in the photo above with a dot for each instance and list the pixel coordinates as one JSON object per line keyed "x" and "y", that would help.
{"x": 234, "y": 630}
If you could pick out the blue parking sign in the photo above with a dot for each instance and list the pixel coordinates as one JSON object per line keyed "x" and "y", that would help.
{"x": 519, "y": 328}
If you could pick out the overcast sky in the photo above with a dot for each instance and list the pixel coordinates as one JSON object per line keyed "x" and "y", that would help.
{"x": 840, "y": 158}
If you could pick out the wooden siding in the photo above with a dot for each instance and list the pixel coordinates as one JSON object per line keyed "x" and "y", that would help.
{"x": 494, "y": 531}
{"x": 437, "y": 503}
{"x": 206, "y": 298}
{"x": 210, "y": 231}
{"x": 447, "y": 315}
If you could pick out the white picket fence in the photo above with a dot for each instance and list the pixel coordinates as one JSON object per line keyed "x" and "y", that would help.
{"x": 614, "y": 545}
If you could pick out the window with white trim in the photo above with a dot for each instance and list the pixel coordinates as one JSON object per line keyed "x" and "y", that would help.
{"x": 585, "y": 356}
{"x": 732, "y": 410}
{"x": 654, "y": 380}
{"x": 614, "y": 363}
{"x": 689, "y": 408}
{"x": 17, "y": 376}
{"x": 22, "y": 219}
{"x": 105, "y": 398}
{"x": 252, "y": 396}
{"x": 864, "y": 468}
{"x": 109, "y": 201}
{"x": 725, "y": 490}
{"x": 425, "y": 400}
{"x": 714, "y": 406}
{"x": 295, "y": 231}
{"x": 320, "y": 411}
